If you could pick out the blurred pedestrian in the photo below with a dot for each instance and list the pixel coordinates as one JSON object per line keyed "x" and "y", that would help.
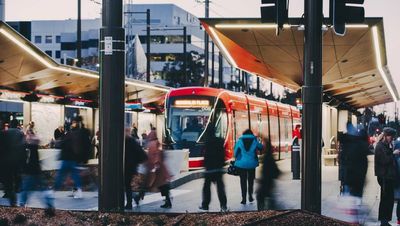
{"x": 353, "y": 160}
{"x": 214, "y": 160}
{"x": 12, "y": 159}
{"x": 397, "y": 181}
{"x": 269, "y": 172}
{"x": 134, "y": 155}
{"x": 134, "y": 132}
{"x": 297, "y": 132}
{"x": 144, "y": 139}
{"x": 32, "y": 173}
{"x": 158, "y": 176}
{"x": 246, "y": 160}
{"x": 59, "y": 133}
{"x": 75, "y": 149}
{"x": 96, "y": 144}
{"x": 386, "y": 172}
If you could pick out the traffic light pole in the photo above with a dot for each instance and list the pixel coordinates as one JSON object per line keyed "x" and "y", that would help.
{"x": 312, "y": 107}
{"x": 112, "y": 90}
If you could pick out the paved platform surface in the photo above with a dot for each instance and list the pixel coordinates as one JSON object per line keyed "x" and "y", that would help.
{"x": 187, "y": 197}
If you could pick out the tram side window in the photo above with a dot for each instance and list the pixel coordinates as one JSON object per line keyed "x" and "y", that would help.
{"x": 274, "y": 130}
{"x": 264, "y": 127}
{"x": 255, "y": 124}
{"x": 221, "y": 122}
{"x": 241, "y": 122}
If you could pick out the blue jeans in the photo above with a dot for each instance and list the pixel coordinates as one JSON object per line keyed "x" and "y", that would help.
{"x": 29, "y": 183}
{"x": 66, "y": 167}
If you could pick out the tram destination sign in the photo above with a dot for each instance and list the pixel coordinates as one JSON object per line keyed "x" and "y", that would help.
{"x": 194, "y": 103}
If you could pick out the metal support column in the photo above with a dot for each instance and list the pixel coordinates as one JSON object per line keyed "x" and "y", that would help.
{"x": 258, "y": 87}
{"x": 79, "y": 37}
{"x": 220, "y": 70}
{"x": 112, "y": 89}
{"x": 185, "y": 55}
{"x": 148, "y": 42}
{"x": 212, "y": 63}
{"x": 312, "y": 107}
{"x": 206, "y": 38}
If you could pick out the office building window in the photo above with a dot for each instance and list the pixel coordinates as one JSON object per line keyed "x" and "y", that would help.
{"x": 58, "y": 54}
{"x": 58, "y": 39}
{"x": 48, "y": 39}
{"x": 38, "y": 39}
{"x": 49, "y": 52}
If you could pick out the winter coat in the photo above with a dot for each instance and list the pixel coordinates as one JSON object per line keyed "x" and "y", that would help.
{"x": 269, "y": 171}
{"x": 353, "y": 159}
{"x": 384, "y": 161}
{"x": 246, "y": 152}
{"x": 76, "y": 145}
{"x": 32, "y": 163}
{"x": 134, "y": 155}
{"x": 155, "y": 164}
{"x": 214, "y": 155}
{"x": 12, "y": 152}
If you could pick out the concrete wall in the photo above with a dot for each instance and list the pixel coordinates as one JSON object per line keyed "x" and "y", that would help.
{"x": 47, "y": 118}
{"x": 329, "y": 124}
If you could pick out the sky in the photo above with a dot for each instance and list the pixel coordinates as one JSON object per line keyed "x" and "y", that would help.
{"x": 17, "y": 10}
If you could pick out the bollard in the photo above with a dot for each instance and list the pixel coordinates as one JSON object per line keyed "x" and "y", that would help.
{"x": 296, "y": 160}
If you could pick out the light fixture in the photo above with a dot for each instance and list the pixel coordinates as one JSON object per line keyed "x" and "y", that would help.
{"x": 379, "y": 62}
{"x": 255, "y": 26}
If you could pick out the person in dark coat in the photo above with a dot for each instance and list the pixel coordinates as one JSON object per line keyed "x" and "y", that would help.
{"x": 12, "y": 159}
{"x": 75, "y": 149}
{"x": 246, "y": 160}
{"x": 214, "y": 160}
{"x": 386, "y": 173}
{"x": 32, "y": 173}
{"x": 134, "y": 155}
{"x": 269, "y": 173}
{"x": 353, "y": 160}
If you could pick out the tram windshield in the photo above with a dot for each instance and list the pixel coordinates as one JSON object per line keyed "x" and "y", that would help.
{"x": 188, "y": 118}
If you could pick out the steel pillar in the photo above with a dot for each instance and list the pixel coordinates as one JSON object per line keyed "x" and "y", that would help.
{"x": 312, "y": 107}
{"x": 148, "y": 42}
{"x": 79, "y": 37}
{"x": 112, "y": 89}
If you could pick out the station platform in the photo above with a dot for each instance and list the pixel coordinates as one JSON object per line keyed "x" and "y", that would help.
{"x": 187, "y": 195}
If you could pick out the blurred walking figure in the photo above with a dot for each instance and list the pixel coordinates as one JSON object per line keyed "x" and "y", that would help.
{"x": 158, "y": 176}
{"x": 134, "y": 132}
{"x": 32, "y": 173}
{"x": 214, "y": 160}
{"x": 269, "y": 172}
{"x": 353, "y": 160}
{"x": 397, "y": 183}
{"x": 246, "y": 160}
{"x": 59, "y": 133}
{"x": 134, "y": 155}
{"x": 12, "y": 151}
{"x": 75, "y": 149}
{"x": 386, "y": 172}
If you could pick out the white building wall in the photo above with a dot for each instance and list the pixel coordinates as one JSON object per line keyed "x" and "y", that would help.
{"x": 2, "y": 10}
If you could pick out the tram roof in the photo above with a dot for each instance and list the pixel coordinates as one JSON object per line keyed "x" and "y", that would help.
{"x": 26, "y": 68}
{"x": 354, "y": 66}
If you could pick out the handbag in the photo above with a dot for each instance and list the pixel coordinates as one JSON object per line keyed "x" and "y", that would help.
{"x": 232, "y": 169}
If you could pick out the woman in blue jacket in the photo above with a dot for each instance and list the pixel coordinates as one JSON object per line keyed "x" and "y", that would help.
{"x": 246, "y": 160}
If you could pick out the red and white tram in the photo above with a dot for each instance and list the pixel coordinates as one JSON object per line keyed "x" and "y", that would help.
{"x": 191, "y": 111}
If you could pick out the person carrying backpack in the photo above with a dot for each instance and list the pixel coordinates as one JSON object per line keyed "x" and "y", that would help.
{"x": 246, "y": 160}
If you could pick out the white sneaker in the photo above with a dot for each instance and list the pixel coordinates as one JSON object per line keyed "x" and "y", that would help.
{"x": 78, "y": 194}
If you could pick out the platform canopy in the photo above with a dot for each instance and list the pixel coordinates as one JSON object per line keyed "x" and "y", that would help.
{"x": 355, "y": 70}
{"x": 25, "y": 68}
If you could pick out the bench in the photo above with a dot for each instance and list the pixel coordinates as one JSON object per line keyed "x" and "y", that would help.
{"x": 330, "y": 156}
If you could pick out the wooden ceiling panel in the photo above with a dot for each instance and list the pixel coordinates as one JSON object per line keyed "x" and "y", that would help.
{"x": 268, "y": 37}
{"x": 246, "y": 38}
{"x": 356, "y": 66}
{"x": 279, "y": 55}
{"x": 351, "y": 38}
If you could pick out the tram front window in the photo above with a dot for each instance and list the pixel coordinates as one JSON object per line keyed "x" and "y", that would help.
{"x": 187, "y": 124}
